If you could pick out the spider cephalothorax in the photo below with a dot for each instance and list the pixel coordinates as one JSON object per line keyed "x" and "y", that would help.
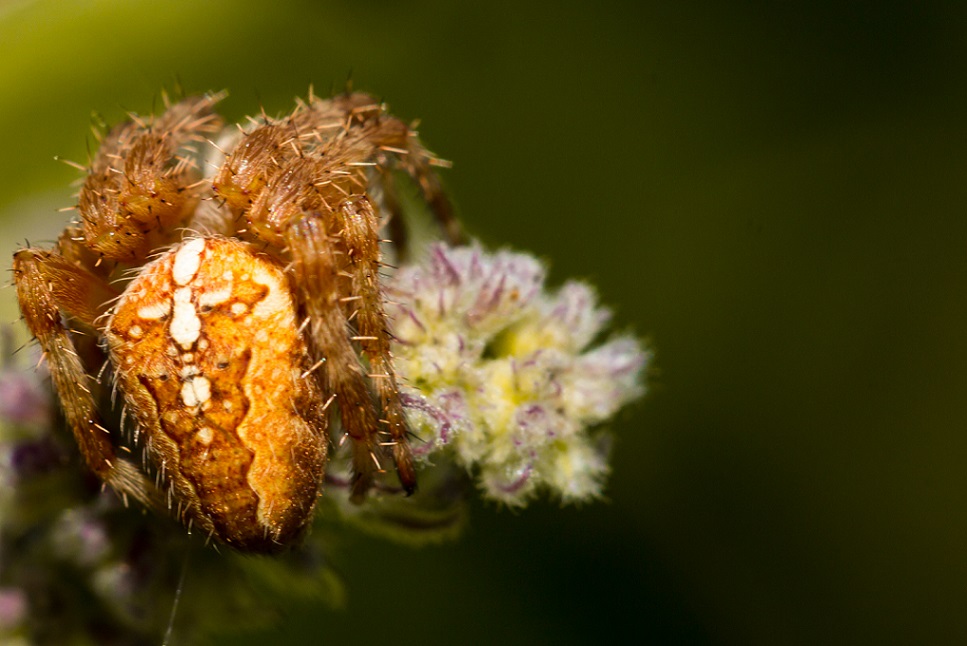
{"x": 229, "y": 346}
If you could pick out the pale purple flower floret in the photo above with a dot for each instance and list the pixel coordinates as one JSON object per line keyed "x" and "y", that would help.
{"x": 502, "y": 372}
{"x": 24, "y": 399}
{"x": 13, "y": 608}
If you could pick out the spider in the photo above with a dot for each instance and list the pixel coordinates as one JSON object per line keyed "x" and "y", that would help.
{"x": 231, "y": 309}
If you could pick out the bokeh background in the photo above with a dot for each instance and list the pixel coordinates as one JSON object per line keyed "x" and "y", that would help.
{"x": 773, "y": 193}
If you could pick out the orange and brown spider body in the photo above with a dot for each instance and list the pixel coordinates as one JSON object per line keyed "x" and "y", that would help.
{"x": 206, "y": 349}
{"x": 230, "y": 345}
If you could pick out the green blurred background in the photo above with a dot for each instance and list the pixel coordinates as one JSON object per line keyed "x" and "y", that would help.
{"x": 772, "y": 192}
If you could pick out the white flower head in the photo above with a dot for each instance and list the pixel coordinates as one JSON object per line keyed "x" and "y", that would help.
{"x": 503, "y": 373}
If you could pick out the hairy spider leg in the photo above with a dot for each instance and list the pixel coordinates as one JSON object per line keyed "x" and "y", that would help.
{"x": 143, "y": 182}
{"x": 380, "y": 138}
{"x": 360, "y": 234}
{"x": 52, "y": 291}
{"x": 314, "y": 264}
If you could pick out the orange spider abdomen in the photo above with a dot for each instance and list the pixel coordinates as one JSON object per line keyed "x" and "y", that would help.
{"x": 208, "y": 354}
